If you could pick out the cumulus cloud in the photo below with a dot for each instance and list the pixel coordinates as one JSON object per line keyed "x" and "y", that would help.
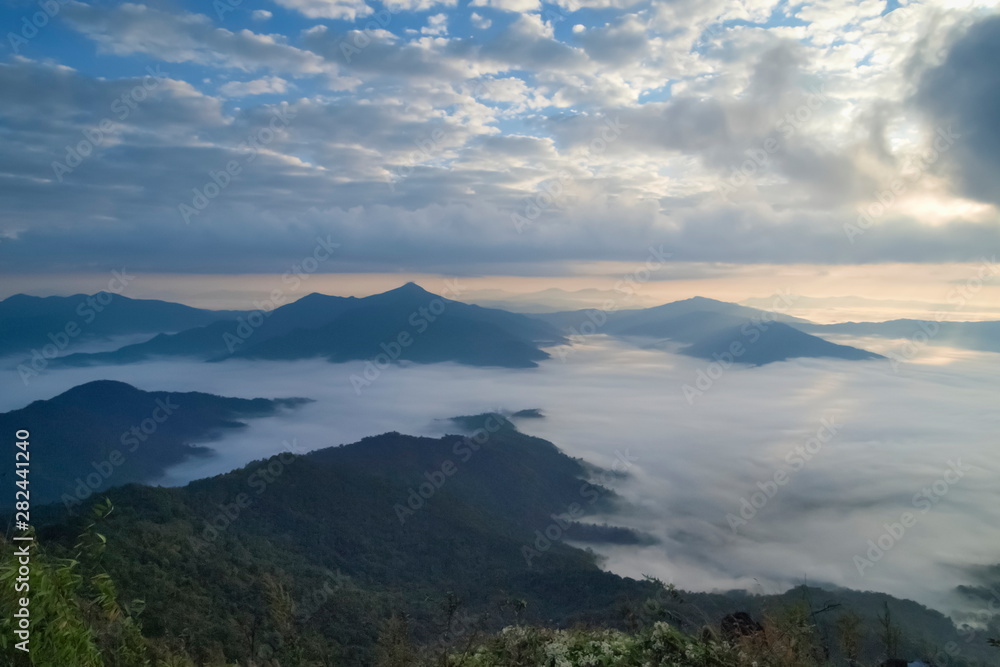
{"x": 177, "y": 38}
{"x": 419, "y": 5}
{"x": 269, "y": 84}
{"x": 519, "y": 6}
{"x": 329, "y": 9}
{"x": 480, "y": 22}
{"x": 436, "y": 25}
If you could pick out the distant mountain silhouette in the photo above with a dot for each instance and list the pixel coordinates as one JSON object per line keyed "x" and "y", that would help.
{"x": 982, "y": 336}
{"x": 777, "y": 343}
{"x": 108, "y": 433}
{"x": 407, "y": 323}
{"x": 706, "y": 328}
{"x": 411, "y": 324}
{"x": 26, "y": 322}
{"x": 221, "y": 338}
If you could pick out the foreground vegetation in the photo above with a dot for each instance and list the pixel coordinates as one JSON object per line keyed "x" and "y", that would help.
{"x": 788, "y": 643}
{"x": 80, "y": 620}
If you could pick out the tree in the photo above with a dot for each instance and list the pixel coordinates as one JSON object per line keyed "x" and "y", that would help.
{"x": 889, "y": 633}
{"x": 76, "y": 618}
{"x": 851, "y": 634}
{"x": 394, "y": 648}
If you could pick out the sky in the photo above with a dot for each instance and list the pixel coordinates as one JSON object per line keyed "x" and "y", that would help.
{"x": 504, "y": 139}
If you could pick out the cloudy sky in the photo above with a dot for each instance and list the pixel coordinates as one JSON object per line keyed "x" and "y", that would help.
{"x": 499, "y": 138}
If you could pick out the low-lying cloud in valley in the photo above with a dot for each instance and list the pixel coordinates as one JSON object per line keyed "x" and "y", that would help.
{"x": 758, "y": 478}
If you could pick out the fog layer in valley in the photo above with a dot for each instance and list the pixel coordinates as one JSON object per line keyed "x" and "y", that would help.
{"x": 754, "y": 477}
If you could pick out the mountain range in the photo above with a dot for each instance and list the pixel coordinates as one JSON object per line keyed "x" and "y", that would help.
{"x": 411, "y": 324}
{"x": 407, "y": 323}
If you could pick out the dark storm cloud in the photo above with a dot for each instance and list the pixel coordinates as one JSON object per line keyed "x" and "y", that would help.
{"x": 964, "y": 92}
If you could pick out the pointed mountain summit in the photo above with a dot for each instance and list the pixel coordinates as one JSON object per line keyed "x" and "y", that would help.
{"x": 412, "y": 323}
{"x": 409, "y": 323}
{"x": 411, "y": 288}
{"x": 410, "y": 294}
{"x": 708, "y": 328}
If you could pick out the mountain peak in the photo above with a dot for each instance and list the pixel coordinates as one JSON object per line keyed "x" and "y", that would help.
{"x": 410, "y": 289}
{"x": 703, "y": 300}
{"x": 102, "y": 386}
{"x": 697, "y": 303}
{"x": 19, "y": 298}
{"x": 98, "y": 394}
{"x": 319, "y": 297}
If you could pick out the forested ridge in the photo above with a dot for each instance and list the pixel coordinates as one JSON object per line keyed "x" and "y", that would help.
{"x": 401, "y": 550}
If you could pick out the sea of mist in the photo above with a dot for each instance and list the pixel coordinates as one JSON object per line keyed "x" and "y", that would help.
{"x": 696, "y": 456}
